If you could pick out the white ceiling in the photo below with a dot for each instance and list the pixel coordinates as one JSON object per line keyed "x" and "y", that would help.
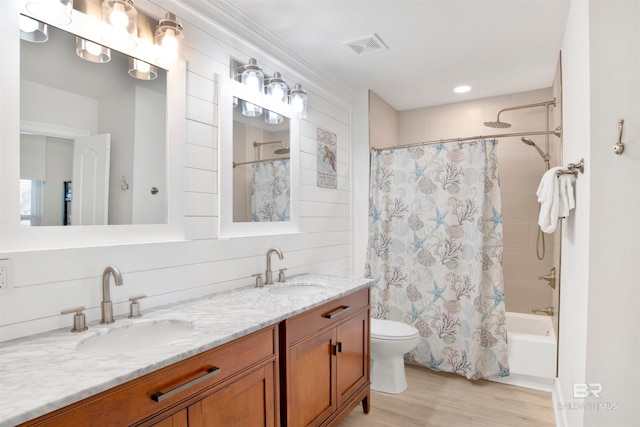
{"x": 496, "y": 46}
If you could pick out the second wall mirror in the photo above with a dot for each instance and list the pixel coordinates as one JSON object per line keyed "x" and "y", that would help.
{"x": 259, "y": 162}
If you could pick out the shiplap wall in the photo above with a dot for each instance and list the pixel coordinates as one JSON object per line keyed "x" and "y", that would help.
{"x": 47, "y": 281}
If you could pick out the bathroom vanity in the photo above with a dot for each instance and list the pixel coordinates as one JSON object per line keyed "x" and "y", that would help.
{"x": 289, "y": 359}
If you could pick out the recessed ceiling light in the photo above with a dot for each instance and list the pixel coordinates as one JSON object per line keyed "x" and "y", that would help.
{"x": 462, "y": 89}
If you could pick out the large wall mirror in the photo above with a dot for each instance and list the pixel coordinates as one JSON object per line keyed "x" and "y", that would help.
{"x": 259, "y": 162}
{"x": 89, "y": 154}
{"x": 92, "y": 138}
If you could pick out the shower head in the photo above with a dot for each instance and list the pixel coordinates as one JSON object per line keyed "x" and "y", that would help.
{"x": 528, "y": 141}
{"x": 497, "y": 124}
{"x": 283, "y": 150}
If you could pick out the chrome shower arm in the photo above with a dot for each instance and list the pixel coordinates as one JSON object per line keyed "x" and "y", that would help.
{"x": 520, "y": 107}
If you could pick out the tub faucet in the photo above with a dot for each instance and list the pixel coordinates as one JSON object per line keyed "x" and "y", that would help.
{"x": 269, "y": 273}
{"x": 549, "y": 311}
{"x": 107, "y": 306}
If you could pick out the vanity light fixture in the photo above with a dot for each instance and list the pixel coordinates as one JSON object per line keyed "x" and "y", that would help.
{"x": 168, "y": 36}
{"x": 298, "y": 100}
{"x": 142, "y": 70}
{"x": 252, "y": 75}
{"x": 277, "y": 87}
{"x": 58, "y": 12}
{"x": 92, "y": 52}
{"x": 123, "y": 18}
{"x": 32, "y": 30}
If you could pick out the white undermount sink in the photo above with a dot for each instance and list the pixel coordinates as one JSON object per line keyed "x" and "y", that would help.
{"x": 135, "y": 338}
{"x": 297, "y": 289}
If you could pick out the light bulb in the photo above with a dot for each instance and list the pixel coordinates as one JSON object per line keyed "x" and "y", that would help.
{"x": 297, "y": 104}
{"x": 118, "y": 16}
{"x": 252, "y": 80}
{"x": 277, "y": 92}
{"x": 142, "y": 66}
{"x": 27, "y": 24}
{"x": 93, "y": 48}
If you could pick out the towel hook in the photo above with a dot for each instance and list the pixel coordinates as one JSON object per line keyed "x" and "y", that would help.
{"x": 619, "y": 147}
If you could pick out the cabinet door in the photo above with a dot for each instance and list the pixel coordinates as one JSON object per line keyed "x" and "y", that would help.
{"x": 178, "y": 419}
{"x": 248, "y": 402}
{"x": 352, "y": 340}
{"x": 311, "y": 391}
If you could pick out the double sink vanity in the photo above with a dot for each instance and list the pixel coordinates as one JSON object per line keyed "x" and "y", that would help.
{"x": 290, "y": 354}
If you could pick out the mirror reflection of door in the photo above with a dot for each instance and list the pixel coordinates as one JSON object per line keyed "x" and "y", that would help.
{"x": 90, "y": 197}
{"x": 49, "y": 167}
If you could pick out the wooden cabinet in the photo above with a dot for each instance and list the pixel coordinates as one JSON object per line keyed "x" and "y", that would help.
{"x": 237, "y": 380}
{"x": 310, "y": 370}
{"x": 325, "y": 362}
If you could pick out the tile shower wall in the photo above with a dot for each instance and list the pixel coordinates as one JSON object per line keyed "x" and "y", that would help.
{"x": 50, "y": 280}
{"x": 520, "y": 169}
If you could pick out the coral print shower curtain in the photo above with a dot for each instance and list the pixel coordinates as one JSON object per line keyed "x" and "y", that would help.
{"x": 435, "y": 253}
{"x": 270, "y": 191}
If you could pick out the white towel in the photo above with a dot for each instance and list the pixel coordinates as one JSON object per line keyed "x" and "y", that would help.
{"x": 555, "y": 194}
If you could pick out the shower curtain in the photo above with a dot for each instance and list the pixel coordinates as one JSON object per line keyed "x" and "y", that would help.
{"x": 270, "y": 191}
{"x": 435, "y": 253}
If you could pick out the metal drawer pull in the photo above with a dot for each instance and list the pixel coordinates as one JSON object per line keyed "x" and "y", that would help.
{"x": 160, "y": 396}
{"x": 336, "y": 313}
{"x": 337, "y": 349}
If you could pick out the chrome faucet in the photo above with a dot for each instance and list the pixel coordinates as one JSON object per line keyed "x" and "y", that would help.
{"x": 107, "y": 306}
{"x": 549, "y": 311}
{"x": 269, "y": 273}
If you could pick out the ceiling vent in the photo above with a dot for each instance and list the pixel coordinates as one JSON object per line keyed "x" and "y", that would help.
{"x": 367, "y": 44}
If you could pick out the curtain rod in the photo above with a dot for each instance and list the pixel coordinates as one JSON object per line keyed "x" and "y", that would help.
{"x": 557, "y": 132}
{"x": 259, "y": 161}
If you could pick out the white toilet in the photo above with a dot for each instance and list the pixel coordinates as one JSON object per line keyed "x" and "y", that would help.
{"x": 390, "y": 340}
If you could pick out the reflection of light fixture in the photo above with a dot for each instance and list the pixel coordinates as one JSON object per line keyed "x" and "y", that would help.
{"x": 277, "y": 88}
{"x": 92, "y": 52}
{"x": 32, "y": 30}
{"x": 123, "y": 18}
{"x": 58, "y": 12}
{"x": 298, "y": 100}
{"x": 142, "y": 70}
{"x": 168, "y": 35}
{"x": 272, "y": 118}
{"x": 252, "y": 75}
{"x": 250, "y": 110}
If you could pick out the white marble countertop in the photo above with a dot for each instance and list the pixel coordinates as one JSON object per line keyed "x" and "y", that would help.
{"x": 44, "y": 372}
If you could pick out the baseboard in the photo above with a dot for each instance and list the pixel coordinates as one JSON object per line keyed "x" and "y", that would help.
{"x": 527, "y": 381}
{"x": 558, "y": 402}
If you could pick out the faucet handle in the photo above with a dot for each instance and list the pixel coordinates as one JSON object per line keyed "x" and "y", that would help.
{"x": 281, "y": 275}
{"x": 134, "y": 308}
{"x": 259, "y": 282}
{"x": 79, "y": 320}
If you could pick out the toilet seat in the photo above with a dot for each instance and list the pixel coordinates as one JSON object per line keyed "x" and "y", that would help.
{"x": 388, "y": 330}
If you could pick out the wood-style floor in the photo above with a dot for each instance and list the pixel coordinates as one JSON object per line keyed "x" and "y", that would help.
{"x": 446, "y": 400}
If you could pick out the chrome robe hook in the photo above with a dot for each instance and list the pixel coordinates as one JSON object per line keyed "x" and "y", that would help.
{"x": 619, "y": 147}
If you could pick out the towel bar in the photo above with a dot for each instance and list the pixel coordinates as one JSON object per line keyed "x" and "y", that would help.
{"x": 572, "y": 169}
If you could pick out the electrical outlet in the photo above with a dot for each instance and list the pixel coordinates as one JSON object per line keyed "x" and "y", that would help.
{"x": 5, "y": 275}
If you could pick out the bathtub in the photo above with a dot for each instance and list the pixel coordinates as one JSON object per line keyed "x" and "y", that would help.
{"x": 532, "y": 345}
{"x": 532, "y": 351}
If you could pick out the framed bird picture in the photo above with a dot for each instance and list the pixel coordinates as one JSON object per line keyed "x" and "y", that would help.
{"x": 327, "y": 159}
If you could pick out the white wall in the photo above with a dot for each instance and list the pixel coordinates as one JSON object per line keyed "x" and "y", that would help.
{"x": 47, "y": 281}
{"x": 600, "y": 327}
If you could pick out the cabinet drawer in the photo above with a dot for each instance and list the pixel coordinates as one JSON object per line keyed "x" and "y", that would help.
{"x": 140, "y": 398}
{"x": 326, "y": 315}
